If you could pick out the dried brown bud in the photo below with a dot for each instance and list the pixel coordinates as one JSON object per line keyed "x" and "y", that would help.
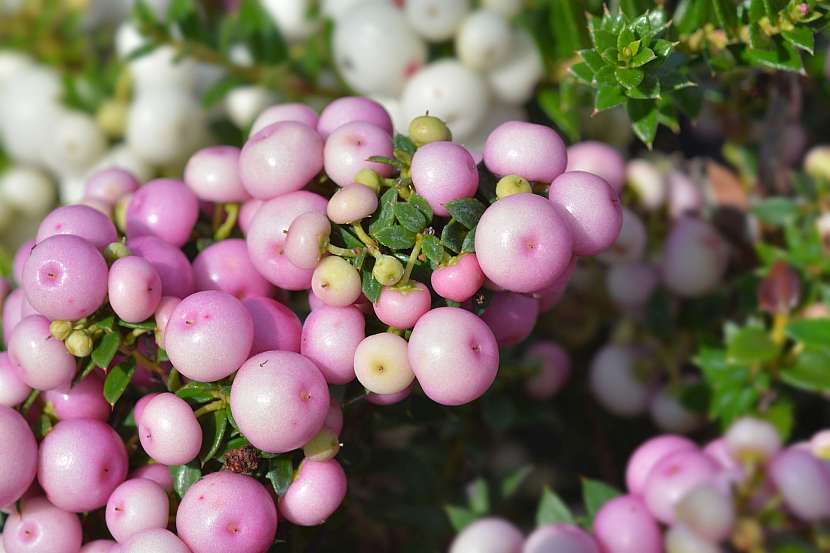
{"x": 780, "y": 291}
{"x": 243, "y": 460}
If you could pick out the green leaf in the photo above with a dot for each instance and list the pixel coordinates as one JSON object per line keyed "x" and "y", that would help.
{"x": 727, "y": 15}
{"x": 395, "y": 237}
{"x": 608, "y": 97}
{"x": 410, "y": 217}
{"x": 213, "y": 431}
{"x": 567, "y": 24}
{"x": 690, "y": 15}
{"x": 662, "y": 47}
{"x": 604, "y": 40}
{"x": 606, "y": 76}
{"x": 783, "y": 57}
{"x": 629, "y": 78}
{"x": 460, "y": 517}
{"x": 776, "y": 211}
{"x": 643, "y": 115}
{"x": 511, "y": 483}
{"x": 349, "y": 239}
{"x": 469, "y": 244}
{"x": 751, "y": 345}
{"x": 404, "y": 143}
{"x": 625, "y": 38}
{"x": 432, "y": 248}
{"x": 800, "y": 37}
{"x": 642, "y": 57}
{"x": 177, "y": 10}
{"x": 756, "y": 11}
{"x": 452, "y": 237}
{"x": 117, "y": 380}
{"x": 386, "y": 211}
{"x": 371, "y": 287}
{"x": 552, "y": 510}
{"x": 184, "y": 476}
{"x": 646, "y": 90}
{"x": 140, "y": 51}
{"x": 595, "y": 494}
{"x": 812, "y": 332}
{"x": 280, "y": 473}
{"x": 560, "y": 112}
{"x": 478, "y": 496}
{"x": 591, "y": 59}
{"x": 422, "y": 205}
{"x": 149, "y": 324}
{"x": 200, "y": 392}
{"x": 811, "y": 371}
{"x": 466, "y": 211}
{"x": 582, "y": 72}
{"x": 107, "y": 323}
{"x": 782, "y": 416}
{"x": 107, "y": 348}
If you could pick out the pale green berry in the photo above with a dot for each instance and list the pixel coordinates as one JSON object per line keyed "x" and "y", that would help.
{"x": 388, "y": 270}
{"x": 368, "y": 177}
{"x": 79, "y": 343}
{"x": 426, "y": 128}
{"x": 512, "y": 184}
{"x": 60, "y": 329}
{"x": 322, "y": 447}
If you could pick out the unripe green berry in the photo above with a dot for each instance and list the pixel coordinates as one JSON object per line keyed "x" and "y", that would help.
{"x": 322, "y": 447}
{"x": 512, "y": 184}
{"x": 387, "y": 270}
{"x": 79, "y": 343}
{"x": 426, "y": 128}
{"x": 60, "y": 329}
{"x": 368, "y": 177}
{"x": 114, "y": 251}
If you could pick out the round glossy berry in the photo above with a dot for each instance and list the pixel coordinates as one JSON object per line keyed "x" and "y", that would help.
{"x": 594, "y": 207}
{"x": 213, "y": 175}
{"x": 511, "y": 317}
{"x": 670, "y": 415}
{"x": 442, "y": 172}
{"x": 12, "y": 311}
{"x": 554, "y": 367}
{"x": 227, "y": 267}
{"x": 454, "y": 355}
{"x": 336, "y": 282}
{"x": 79, "y": 220}
{"x": 300, "y": 113}
{"x": 42, "y": 361}
{"x": 168, "y": 430}
{"x": 18, "y": 456}
{"x": 280, "y": 400}
{"x": 804, "y": 482}
{"x": 164, "y": 208}
{"x": 330, "y": 337}
{"x": 682, "y": 539}
{"x": 280, "y": 158}
{"x": 624, "y": 525}
{"x": 134, "y": 288}
{"x": 488, "y": 535}
{"x": 276, "y": 327}
{"x": 156, "y": 540}
{"x": 352, "y": 203}
{"x": 13, "y": 391}
{"x": 532, "y": 151}
{"x": 109, "y": 185}
{"x": 425, "y": 129}
{"x": 317, "y": 491}
{"x": 350, "y": 146}
{"x": 307, "y": 238}
{"x": 171, "y": 264}
{"x": 648, "y": 183}
{"x": 459, "y": 280}
{"x": 209, "y": 335}
{"x": 246, "y": 214}
{"x": 99, "y": 546}
{"x": 65, "y": 278}
{"x": 40, "y": 527}
{"x": 350, "y": 109}
{"x": 402, "y": 306}
{"x": 559, "y": 538}
{"x": 136, "y": 505}
{"x": 648, "y": 455}
{"x": 600, "y": 159}
{"x": 673, "y": 477}
{"x": 81, "y": 462}
{"x": 381, "y": 364}
{"x": 84, "y": 400}
{"x": 158, "y": 473}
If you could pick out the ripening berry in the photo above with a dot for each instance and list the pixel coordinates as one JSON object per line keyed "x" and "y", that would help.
{"x": 442, "y": 172}
{"x": 631, "y": 242}
{"x": 554, "y": 367}
{"x": 134, "y": 288}
{"x": 483, "y": 40}
{"x": 624, "y": 525}
{"x": 511, "y": 317}
{"x": 13, "y": 391}
{"x": 512, "y": 184}
{"x": 426, "y": 129}
{"x": 317, "y": 491}
{"x": 42, "y": 362}
{"x": 350, "y": 109}
{"x": 459, "y": 280}
{"x": 648, "y": 455}
{"x": 490, "y": 535}
{"x": 330, "y": 337}
{"x": 804, "y": 483}
{"x": 136, "y": 505}
{"x": 84, "y": 400}
{"x": 18, "y": 456}
{"x": 560, "y": 538}
{"x": 276, "y": 327}
{"x": 695, "y": 257}
{"x": 280, "y": 400}
{"x": 155, "y": 540}
{"x": 454, "y": 355}
{"x": 514, "y": 80}
{"x": 381, "y": 364}
{"x": 307, "y": 239}
{"x": 277, "y": 113}
{"x": 532, "y": 151}
{"x": 279, "y": 159}
{"x": 349, "y": 148}
{"x": 226, "y": 266}
{"x": 168, "y": 430}
{"x": 336, "y": 282}
{"x": 323, "y": 446}
{"x": 213, "y": 175}
{"x": 209, "y": 335}
{"x": 81, "y": 462}
{"x": 164, "y": 208}
{"x": 708, "y": 511}
{"x": 65, "y": 278}
{"x": 41, "y": 527}
{"x": 79, "y": 220}
{"x": 681, "y": 539}
{"x": 615, "y": 383}
{"x": 352, "y": 203}
{"x": 672, "y": 478}
{"x": 523, "y": 243}
{"x": 109, "y": 185}
{"x": 752, "y": 439}
{"x": 402, "y": 306}
{"x": 172, "y": 265}
{"x": 387, "y": 270}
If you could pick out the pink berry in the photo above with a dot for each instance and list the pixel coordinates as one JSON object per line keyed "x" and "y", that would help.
{"x": 695, "y": 257}
{"x": 673, "y": 477}
{"x": 84, "y": 400}
{"x": 351, "y": 203}
{"x": 81, "y": 462}
{"x": 18, "y": 456}
{"x": 134, "y": 288}
{"x": 402, "y": 306}
{"x": 317, "y": 491}
{"x": 600, "y": 159}
{"x": 169, "y": 431}
{"x": 246, "y": 214}
{"x": 454, "y": 355}
{"x": 630, "y": 285}
{"x": 164, "y": 208}
{"x": 717, "y": 450}
{"x": 41, "y": 527}
{"x": 300, "y": 113}
{"x": 631, "y": 242}
{"x": 276, "y": 327}
{"x": 279, "y": 159}
{"x": 624, "y": 525}
{"x": 307, "y": 238}
{"x": 65, "y": 278}
{"x": 685, "y": 195}
{"x": 79, "y": 220}
{"x": 550, "y": 296}
{"x": 20, "y": 257}
{"x": 460, "y": 279}
{"x": 267, "y": 234}
{"x": 98, "y": 546}
{"x": 225, "y": 511}
{"x": 594, "y": 208}
{"x": 226, "y": 266}
{"x": 511, "y": 317}
{"x": 804, "y": 482}
{"x": 158, "y": 473}
{"x": 110, "y": 185}
{"x": 213, "y": 175}
{"x": 279, "y": 400}
{"x": 559, "y": 538}
{"x": 751, "y": 438}
{"x": 554, "y": 369}
{"x": 42, "y": 360}
{"x": 528, "y": 150}
{"x": 350, "y": 109}
{"x": 136, "y": 505}
{"x": 350, "y": 146}
{"x": 330, "y": 337}
{"x": 156, "y": 540}
{"x": 488, "y": 535}
{"x": 138, "y": 410}
{"x": 173, "y": 267}
{"x": 523, "y": 243}
{"x": 648, "y": 455}
{"x": 13, "y": 391}
{"x": 442, "y": 172}
{"x": 165, "y": 308}
{"x": 382, "y": 365}
{"x": 209, "y": 335}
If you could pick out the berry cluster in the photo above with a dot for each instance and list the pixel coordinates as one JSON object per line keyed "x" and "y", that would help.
{"x": 170, "y": 334}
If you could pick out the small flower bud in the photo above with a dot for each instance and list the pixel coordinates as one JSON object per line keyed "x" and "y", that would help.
{"x": 387, "y": 270}
{"x": 368, "y": 177}
{"x": 512, "y": 184}
{"x": 426, "y": 128}
{"x": 322, "y": 447}
{"x": 60, "y": 329}
{"x": 79, "y": 343}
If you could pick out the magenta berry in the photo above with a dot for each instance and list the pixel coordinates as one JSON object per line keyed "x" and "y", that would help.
{"x": 381, "y": 364}
{"x": 600, "y": 159}
{"x": 13, "y": 391}
{"x": 279, "y": 400}
{"x": 136, "y": 505}
{"x": 276, "y": 327}
{"x": 804, "y": 483}
{"x": 307, "y": 237}
{"x": 350, "y": 146}
{"x": 317, "y": 491}
{"x": 20, "y": 257}
{"x": 110, "y": 185}
{"x": 460, "y": 279}
{"x": 12, "y": 311}
{"x": 648, "y": 455}
{"x": 168, "y": 430}
{"x": 334, "y": 417}
{"x": 300, "y": 113}
{"x": 594, "y": 208}
{"x": 164, "y": 208}
{"x": 694, "y": 258}
{"x": 79, "y": 220}
{"x": 554, "y": 369}
{"x": 65, "y": 278}
{"x": 41, "y": 527}
{"x": 624, "y": 525}
{"x": 158, "y": 473}
{"x": 171, "y": 264}
{"x": 454, "y": 355}
{"x": 279, "y": 159}
{"x": 42, "y": 361}
{"x": 226, "y": 266}
{"x": 330, "y": 337}
{"x": 402, "y": 306}
{"x": 532, "y": 151}
{"x": 511, "y": 317}
{"x": 209, "y": 335}
{"x": 84, "y": 400}
{"x": 442, "y": 172}
{"x": 81, "y": 462}
{"x": 673, "y": 477}
{"x": 352, "y": 108}
{"x": 246, "y": 214}
{"x": 134, "y": 288}
{"x": 213, "y": 175}
{"x": 523, "y": 243}
{"x": 18, "y": 456}
{"x": 99, "y": 546}
{"x": 352, "y": 203}
{"x": 493, "y": 535}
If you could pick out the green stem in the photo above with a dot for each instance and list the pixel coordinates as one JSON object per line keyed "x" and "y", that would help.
{"x": 217, "y": 405}
{"x": 224, "y": 230}
{"x": 355, "y": 399}
{"x": 366, "y": 239}
{"x": 342, "y": 252}
{"x": 413, "y": 258}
